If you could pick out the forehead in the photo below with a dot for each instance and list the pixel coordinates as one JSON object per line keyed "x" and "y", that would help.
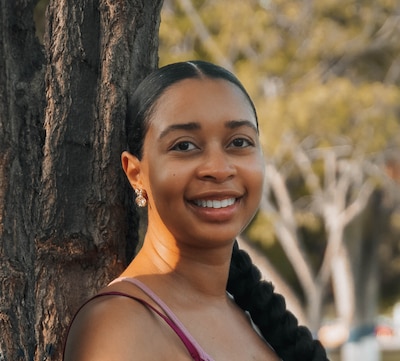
{"x": 201, "y": 99}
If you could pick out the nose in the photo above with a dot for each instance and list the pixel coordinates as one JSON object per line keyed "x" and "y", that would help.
{"x": 216, "y": 166}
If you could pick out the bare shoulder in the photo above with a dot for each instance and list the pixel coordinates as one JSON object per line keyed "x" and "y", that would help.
{"x": 110, "y": 328}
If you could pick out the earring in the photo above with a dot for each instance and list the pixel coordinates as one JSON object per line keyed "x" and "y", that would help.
{"x": 140, "y": 200}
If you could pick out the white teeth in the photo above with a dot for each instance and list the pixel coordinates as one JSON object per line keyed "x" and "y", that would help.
{"x": 215, "y": 203}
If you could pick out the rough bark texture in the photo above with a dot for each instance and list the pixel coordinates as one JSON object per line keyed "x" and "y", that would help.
{"x": 64, "y": 203}
{"x": 21, "y": 111}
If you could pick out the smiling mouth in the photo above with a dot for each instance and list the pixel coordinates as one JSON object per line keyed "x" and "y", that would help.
{"x": 214, "y": 203}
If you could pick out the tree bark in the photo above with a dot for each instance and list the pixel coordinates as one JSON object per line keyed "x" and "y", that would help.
{"x": 65, "y": 227}
{"x": 21, "y": 111}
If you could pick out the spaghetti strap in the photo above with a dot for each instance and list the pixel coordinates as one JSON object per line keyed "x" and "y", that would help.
{"x": 194, "y": 349}
{"x": 202, "y": 354}
{"x": 189, "y": 346}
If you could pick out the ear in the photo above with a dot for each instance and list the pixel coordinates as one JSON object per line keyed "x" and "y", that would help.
{"x": 131, "y": 166}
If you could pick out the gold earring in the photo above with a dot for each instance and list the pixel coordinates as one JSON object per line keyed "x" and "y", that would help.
{"x": 140, "y": 200}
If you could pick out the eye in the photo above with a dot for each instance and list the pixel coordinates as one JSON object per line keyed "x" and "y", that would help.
{"x": 241, "y": 143}
{"x": 184, "y": 146}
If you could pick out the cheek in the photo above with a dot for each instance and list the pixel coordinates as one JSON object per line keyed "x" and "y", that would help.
{"x": 164, "y": 183}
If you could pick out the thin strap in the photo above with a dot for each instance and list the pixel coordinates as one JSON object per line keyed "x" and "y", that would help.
{"x": 204, "y": 356}
{"x": 188, "y": 344}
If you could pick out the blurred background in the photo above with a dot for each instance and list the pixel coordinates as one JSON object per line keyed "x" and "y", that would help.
{"x": 325, "y": 79}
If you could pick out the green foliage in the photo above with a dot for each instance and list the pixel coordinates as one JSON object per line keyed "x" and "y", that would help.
{"x": 367, "y": 114}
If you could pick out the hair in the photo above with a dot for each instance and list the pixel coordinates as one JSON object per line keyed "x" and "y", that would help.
{"x": 267, "y": 309}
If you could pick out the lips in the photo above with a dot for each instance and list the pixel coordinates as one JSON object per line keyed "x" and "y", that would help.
{"x": 208, "y": 203}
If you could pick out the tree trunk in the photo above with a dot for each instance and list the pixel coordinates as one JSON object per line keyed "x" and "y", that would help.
{"x": 64, "y": 203}
{"x": 21, "y": 111}
{"x": 362, "y": 239}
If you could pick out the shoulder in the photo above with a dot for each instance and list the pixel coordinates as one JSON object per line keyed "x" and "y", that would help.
{"x": 109, "y": 327}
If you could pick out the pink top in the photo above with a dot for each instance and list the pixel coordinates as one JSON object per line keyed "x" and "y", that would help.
{"x": 195, "y": 350}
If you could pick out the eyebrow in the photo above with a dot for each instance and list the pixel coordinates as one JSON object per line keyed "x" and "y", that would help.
{"x": 231, "y": 124}
{"x": 182, "y": 126}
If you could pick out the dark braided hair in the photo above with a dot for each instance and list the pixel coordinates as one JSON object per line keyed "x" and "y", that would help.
{"x": 268, "y": 311}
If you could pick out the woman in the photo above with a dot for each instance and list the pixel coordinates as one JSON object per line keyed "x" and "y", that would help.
{"x": 196, "y": 163}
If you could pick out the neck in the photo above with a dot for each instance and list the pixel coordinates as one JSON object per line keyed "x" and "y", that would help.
{"x": 194, "y": 271}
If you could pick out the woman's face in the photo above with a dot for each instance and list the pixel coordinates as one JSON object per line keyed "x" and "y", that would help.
{"x": 202, "y": 166}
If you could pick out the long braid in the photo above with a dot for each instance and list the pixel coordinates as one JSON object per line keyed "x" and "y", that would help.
{"x": 268, "y": 311}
